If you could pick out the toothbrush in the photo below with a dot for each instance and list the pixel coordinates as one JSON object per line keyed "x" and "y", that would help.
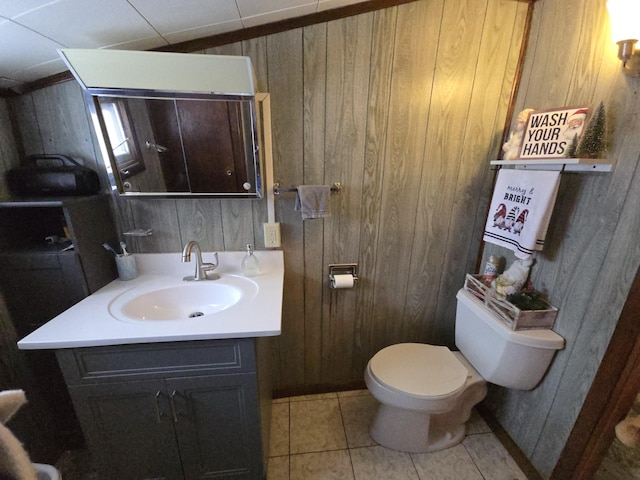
{"x": 110, "y": 248}
{"x": 123, "y": 246}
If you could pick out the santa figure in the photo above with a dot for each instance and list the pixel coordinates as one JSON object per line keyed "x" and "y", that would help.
{"x": 575, "y": 122}
{"x": 511, "y": 148}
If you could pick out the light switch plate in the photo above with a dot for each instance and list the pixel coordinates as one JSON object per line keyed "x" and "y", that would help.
{"x": 272, "y": 235}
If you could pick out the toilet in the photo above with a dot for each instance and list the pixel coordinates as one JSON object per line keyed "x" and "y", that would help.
{"x": 46, "y": 472}
{"x": 427, "y": 392}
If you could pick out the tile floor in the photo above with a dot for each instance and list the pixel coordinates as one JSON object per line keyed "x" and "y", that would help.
{"x": 325, "y": 437}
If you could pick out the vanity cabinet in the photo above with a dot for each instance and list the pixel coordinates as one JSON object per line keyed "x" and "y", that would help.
{"x": 177, "y": 410}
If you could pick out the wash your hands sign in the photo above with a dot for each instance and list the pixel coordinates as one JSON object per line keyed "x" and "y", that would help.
{"x": 550, "y": 133}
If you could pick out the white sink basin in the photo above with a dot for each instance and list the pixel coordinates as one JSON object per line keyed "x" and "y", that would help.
{"x": 181, "y": 301}
{"x": 156, "y": 306}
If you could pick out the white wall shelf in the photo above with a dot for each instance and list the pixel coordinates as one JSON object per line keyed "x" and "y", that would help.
{"x": 563, "y": 164}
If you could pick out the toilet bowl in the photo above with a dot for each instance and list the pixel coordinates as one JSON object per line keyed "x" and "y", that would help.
{"x": 427, "y": 392}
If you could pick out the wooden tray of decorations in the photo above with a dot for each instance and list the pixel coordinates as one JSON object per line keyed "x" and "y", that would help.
{"x": 544, "y": 315}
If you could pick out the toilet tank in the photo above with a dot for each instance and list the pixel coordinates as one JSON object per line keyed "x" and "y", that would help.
{"x": 512, "y": 359}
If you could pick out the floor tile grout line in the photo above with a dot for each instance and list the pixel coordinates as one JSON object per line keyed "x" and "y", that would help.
{"x": 473, "y": 460}
{"x": 319, "y": 451}
{"x": 413, "y": 462}
{"x": 344, "y": 429}
{"x": 346, "y": 439}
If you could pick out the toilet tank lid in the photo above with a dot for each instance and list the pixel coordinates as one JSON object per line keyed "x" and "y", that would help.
{"x": 540, "y": 338}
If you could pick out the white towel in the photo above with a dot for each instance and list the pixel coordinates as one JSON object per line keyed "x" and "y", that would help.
{"x": 314, "y": 201}
{"x": 520, "y": 209}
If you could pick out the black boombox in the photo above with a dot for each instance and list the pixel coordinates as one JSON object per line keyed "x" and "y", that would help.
{"x": 45, "y": 175}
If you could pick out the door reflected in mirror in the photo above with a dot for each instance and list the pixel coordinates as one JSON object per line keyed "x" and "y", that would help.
{"x": 180, "y": 146}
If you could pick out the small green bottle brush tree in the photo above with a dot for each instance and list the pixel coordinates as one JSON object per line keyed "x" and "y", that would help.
{"x": 593, "y": 141}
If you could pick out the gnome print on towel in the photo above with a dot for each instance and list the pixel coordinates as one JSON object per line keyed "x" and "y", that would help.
{"x": 500, "y": 217}
{"x": 519, "y": 225}
{"x": 513, "y": 221}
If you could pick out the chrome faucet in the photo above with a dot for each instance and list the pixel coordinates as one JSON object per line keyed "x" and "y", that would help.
{"x": 201, "y": 267}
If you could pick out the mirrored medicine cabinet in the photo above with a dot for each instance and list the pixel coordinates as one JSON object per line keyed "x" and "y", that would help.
{"x": 174, "y": 125}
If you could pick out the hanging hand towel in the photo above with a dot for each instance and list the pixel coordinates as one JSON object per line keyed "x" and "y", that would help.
{"x": 313, "y": 201}
{"x": 520, "y": 209}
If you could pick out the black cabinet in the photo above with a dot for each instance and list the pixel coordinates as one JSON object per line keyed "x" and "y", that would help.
{"x": 51, "y": 257}
{"x": 179, "y": 410}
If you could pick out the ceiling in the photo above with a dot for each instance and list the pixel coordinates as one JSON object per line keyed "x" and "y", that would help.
{"x": 31, "y": 31}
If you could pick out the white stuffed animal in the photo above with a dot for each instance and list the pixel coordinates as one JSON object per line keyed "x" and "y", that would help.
{"x": 14, "y": 460}
{"x": 511, "y": 148}
{"x": 513, "y": 278}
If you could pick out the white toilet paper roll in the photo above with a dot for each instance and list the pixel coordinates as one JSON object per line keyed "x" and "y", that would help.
{"x": 342, "y": 281}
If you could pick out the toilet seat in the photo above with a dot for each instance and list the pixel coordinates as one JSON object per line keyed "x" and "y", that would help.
{"x": 420, "y": 370}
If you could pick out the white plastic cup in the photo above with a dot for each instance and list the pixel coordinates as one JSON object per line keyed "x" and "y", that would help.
{"x": 127, "y": 268}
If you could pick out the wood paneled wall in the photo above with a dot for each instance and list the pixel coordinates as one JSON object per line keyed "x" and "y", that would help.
{"x": 8, "y": 150}
{"x": 593, "y": 252}
{"x": 404, "y": 106}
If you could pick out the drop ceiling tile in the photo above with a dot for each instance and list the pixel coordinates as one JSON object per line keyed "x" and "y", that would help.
{"x": 13, "y": 8}
{"x": 38, "y": 27}
{"x": 167, "y": 17}
{"x": 88, "y": 23}
{"x": 250, "y": 8}
{"x": 140, "y": 44}
{"x": 22, "y": 48}
{"x": 276, "y": 16}
{"x": 42, "y": 70}
{"x": 201, "y": 32}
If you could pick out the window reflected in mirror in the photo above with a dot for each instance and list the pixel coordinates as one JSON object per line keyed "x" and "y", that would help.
{"x": 124, "y": 148}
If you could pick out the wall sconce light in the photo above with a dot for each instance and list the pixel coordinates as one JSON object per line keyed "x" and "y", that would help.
{"x": 625, "y": 27}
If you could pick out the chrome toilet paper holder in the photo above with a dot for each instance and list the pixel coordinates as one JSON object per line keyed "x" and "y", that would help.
{"x": 343, "y": 269}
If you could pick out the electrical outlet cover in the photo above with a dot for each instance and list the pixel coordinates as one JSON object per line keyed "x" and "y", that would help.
{"x": 272, "y": 235}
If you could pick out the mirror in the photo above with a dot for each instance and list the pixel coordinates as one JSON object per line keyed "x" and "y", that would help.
{"x": 173, "y": 125}
{"x": 179, "y": 146}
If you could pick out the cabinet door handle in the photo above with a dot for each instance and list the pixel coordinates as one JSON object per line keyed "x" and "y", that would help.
{"x": 172, "y": 402}
{"x": 159, "y": 413}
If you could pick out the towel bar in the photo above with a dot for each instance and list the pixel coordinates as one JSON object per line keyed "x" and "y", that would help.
{"x": 336, "y": 187}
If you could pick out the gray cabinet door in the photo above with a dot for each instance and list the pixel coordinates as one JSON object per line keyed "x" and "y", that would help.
{"x": 129, "y": 429}
{"x": 39, "y": 286}
{"x": 218, "y": 426}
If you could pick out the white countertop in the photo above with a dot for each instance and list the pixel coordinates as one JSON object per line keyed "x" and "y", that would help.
{"x": 89, "y": 323}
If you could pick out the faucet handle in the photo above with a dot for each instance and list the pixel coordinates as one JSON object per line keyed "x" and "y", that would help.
{"x": 215, "y": 255}
{"x": 209, "y": 267}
